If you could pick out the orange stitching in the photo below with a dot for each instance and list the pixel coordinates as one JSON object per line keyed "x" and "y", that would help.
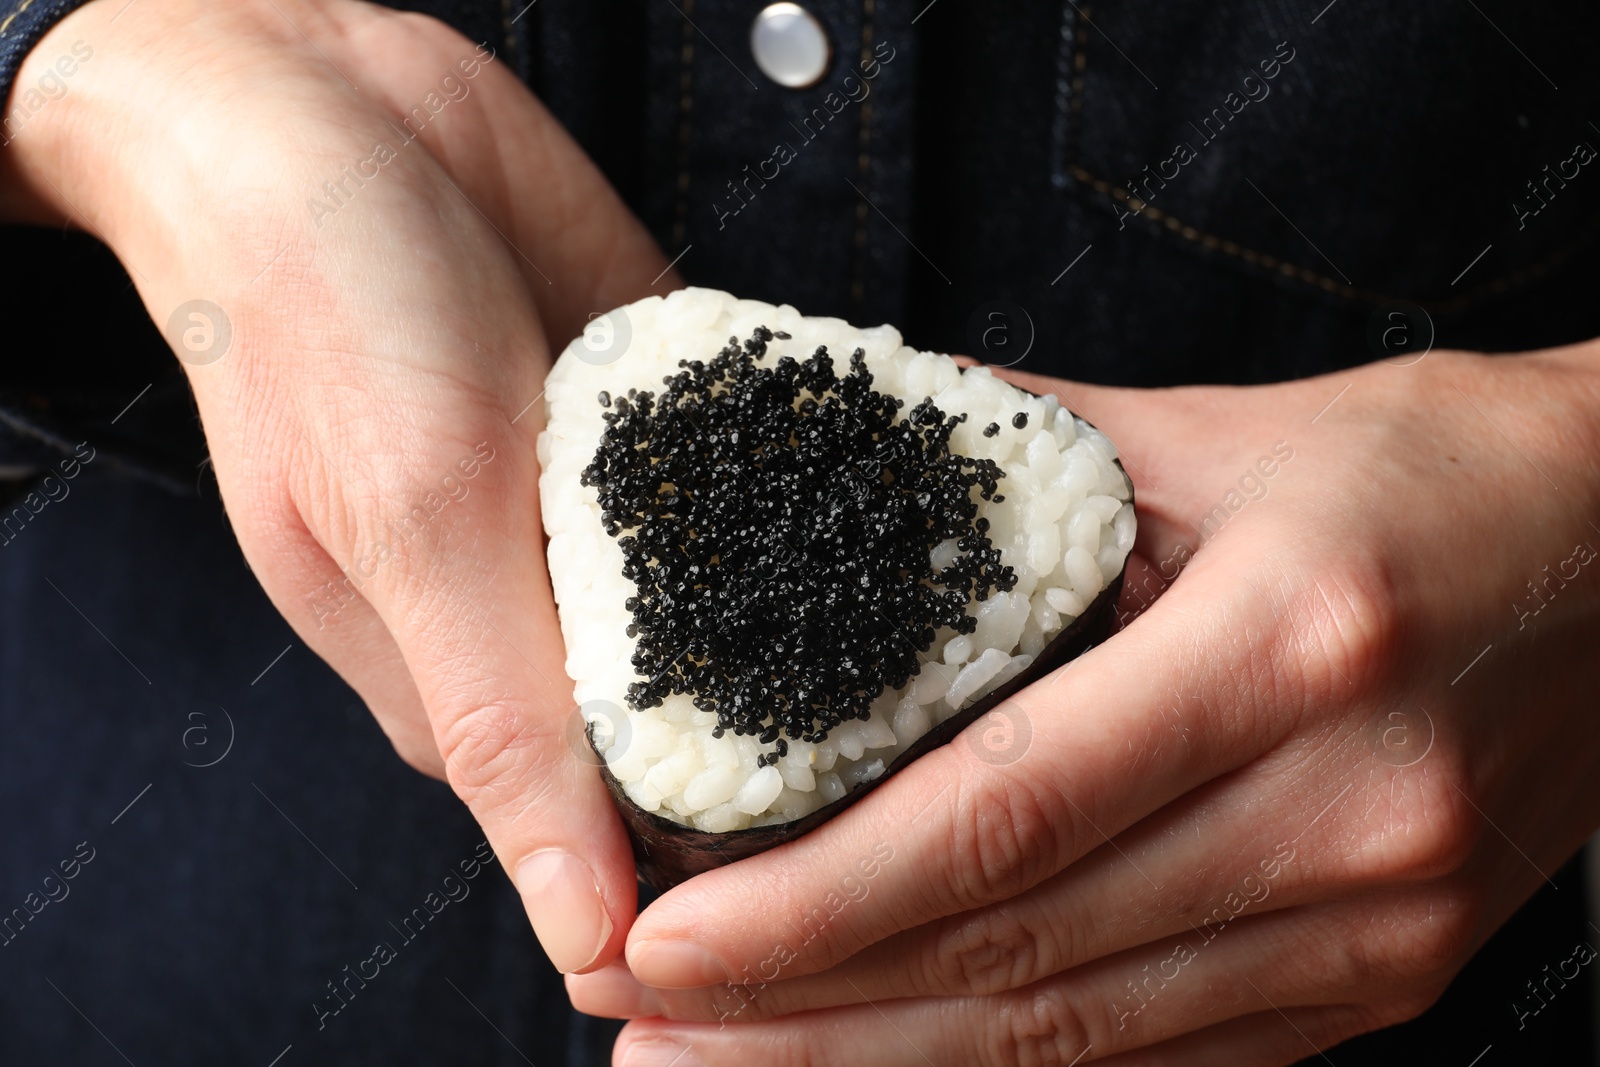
{"x": 1289, "y": 270}
{"x": 1222, "y": 244}
{"x": 680, "y": 225}
{"x": 1260, "y": 259}
{"x": 1080, "y": 63}
{"x": 508, "y": 28}
{"x": 6, "y": 25}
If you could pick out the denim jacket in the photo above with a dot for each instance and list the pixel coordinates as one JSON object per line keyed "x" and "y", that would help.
{"x": 1141, "y": 193}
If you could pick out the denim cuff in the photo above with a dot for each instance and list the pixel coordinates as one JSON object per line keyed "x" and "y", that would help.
{"x": 22, "y": 23}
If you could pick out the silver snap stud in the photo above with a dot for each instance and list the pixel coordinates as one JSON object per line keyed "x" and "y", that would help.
{"x": 790, "y": 45}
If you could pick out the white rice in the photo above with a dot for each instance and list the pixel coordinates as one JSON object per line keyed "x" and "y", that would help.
{"x": 1065, "y": 527}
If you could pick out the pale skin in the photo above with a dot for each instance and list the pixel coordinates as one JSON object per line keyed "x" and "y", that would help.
{"x": 1237, "y": 741}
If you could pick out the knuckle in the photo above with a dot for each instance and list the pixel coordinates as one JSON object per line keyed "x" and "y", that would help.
{"x": 1415, "y": 946}
{"x": 443, "y": 42}
{"x": 1042, "y": 1029}
{"x": 1004, "y": 840}
{"x": 1344, "y": 630}
{"x": 985, "y": 955}
{"x": 1429, "y": 828}
{"x": 1436, "y": 948}
{"x": 484, "y": 750}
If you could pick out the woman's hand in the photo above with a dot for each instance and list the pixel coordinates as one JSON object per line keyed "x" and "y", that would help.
{"x": 364, "y": 237}
{"x": 1282, "y": 807}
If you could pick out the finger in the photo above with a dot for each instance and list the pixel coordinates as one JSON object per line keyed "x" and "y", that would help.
{"x": 1142, "y": 585}
{"x": 577, "y": 244}
{"x": 612, "y": 992}
{"x": 444, "y": 532}
{"x": 1170, "y": 493}
{"x": 1118, "y": 897}
{"x": 1194, "y": 868}
{"x": 1128, "y": 416}
{"x": 953, "y": 832}
{"x": 1153, "y": 994}
{"x": 1123, "y": 415}
{"x": 1185, "y": 448}
{"x": 470, "y": 605}
{"x": 435, "y": 509}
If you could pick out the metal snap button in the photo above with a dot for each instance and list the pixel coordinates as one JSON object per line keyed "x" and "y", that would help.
{"x": 790, "y": 45}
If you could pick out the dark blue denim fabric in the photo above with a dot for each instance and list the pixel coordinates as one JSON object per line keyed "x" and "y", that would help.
{"x": 250, "y": 836}
{"x": 1368, "y": 153}
{"x": 1383, "y": 156}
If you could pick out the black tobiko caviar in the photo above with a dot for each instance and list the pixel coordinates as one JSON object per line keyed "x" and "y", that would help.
{"x": 777, "y": 521}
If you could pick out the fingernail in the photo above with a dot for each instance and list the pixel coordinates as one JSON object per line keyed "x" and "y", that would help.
{"x": 672, "y": 963}
{"x": 661, "y": 1054}
{"x": 564, "y": 904}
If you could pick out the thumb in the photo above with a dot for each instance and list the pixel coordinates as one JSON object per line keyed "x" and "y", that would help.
{"x": 476, "y": 624}
{"x": 474, "y": 618}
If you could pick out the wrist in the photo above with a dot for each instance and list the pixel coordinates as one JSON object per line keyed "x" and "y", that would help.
{"x": 115, "y": 107}
{"x": 1547, "y": 403}
{"x": 1573, "y": 372}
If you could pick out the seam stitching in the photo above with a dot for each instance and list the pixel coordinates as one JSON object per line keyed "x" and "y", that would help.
{"x": 1155, "y": 217}
{"x": 680, "y": 224}
{"x": 510, "y": 31}
{"x": 858, "y": 286}
{"x": 6, "y": 25}
{"x": 1058, "y": 128}
{"x": 1159, "y": 218}
{"x": 1080, "y": 63}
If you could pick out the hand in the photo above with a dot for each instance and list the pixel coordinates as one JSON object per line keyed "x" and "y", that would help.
{"x": 397, "y": 233}
{"x": 1341, "y": 749}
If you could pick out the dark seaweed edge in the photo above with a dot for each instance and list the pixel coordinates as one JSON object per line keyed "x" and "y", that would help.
{"x": 667, "y": 853}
